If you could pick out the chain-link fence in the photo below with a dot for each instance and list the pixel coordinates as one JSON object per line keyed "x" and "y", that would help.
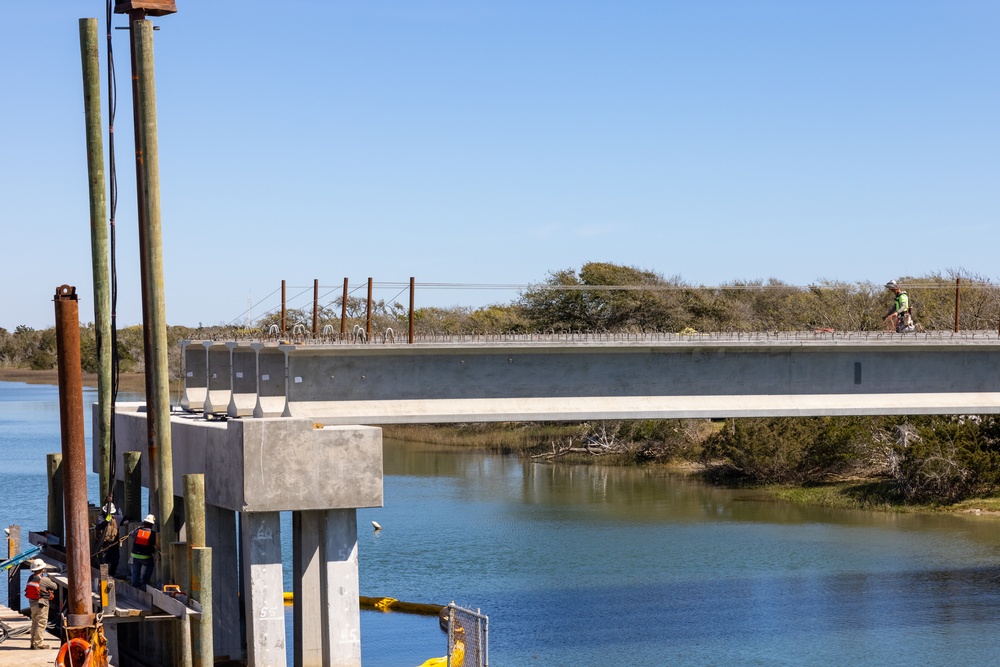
{"x": 468, "y": 637}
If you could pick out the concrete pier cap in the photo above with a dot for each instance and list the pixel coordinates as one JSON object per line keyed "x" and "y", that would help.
{"x": 266, "y": 464}
{"x": 254, "y": 469}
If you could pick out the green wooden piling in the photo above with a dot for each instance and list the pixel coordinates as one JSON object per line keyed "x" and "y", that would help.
{"x": 98, "y": 243}
{"x": 202, "y": 644}
{"x": 194, "y": 509}
{"x": 160, "y": 399}
{"x": 133, "y": 486}
{"x": 194, "y": 520}
{"x": 178, "y": 551}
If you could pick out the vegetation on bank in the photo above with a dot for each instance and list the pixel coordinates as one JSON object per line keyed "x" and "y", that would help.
{"x": 909, "y": 460}
{"x": 858, "y": 462}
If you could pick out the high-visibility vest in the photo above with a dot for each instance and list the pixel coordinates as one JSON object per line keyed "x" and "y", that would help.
{"x": 143, "y": 543}
{"x": 34, "y": 590}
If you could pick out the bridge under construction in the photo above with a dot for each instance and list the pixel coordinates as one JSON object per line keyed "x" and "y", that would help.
{"x": 286, "y": 425}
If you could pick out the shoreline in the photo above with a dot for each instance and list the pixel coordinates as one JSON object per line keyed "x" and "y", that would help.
{"x": 127, "y": 382}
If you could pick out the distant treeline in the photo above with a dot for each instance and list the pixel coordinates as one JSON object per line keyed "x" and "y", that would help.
{"x": 600, "y": 297}
{"x": 603, "y": 297}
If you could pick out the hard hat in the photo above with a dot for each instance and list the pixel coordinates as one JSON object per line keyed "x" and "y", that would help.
{"x": 109, "y": 508}
{"x": 37, "y": 565}
{"x": 892, "y": 284}
{"x": 149, "y": 519}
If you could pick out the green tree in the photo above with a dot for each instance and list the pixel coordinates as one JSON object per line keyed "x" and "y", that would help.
{"x": 946, "y": 459}
{"x": 588, "y": 300}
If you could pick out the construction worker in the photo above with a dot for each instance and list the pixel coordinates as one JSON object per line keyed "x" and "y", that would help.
{"x": 900, "y": 311}
{"x": 39, "y": 591}
{"x": 106, "y": 537}
{"x": 143, "y": 550}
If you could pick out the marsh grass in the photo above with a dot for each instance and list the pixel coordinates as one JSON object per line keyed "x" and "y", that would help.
{"x": 503, "y": 438}
{"x": 874, "y": 495}
{"x": 133, "y": 383}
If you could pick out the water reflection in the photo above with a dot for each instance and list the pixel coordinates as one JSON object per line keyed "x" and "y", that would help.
{"x": 582, "y": 565}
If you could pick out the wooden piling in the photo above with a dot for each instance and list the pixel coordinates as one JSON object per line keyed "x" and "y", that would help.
{"x": 202, "y": 643}
{"x": 194, "y": 519}
{"x": 160, "y": 399}
{"x": 137, "y": 17}
{"x": 182, "y": 642}
{"x": 54, "y": 470}
{"x": 98, "y": 244}
{"x": 14, "y": 573}
{"x": 133, "y": 486}
{"x": 178, "y": 552}
{"x": 194, "y": 508}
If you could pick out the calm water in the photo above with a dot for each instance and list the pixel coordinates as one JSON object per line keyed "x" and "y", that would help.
{"x": 585, "y": 566}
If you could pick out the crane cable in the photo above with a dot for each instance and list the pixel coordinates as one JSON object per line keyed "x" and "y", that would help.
{"x": 113, "y": 206}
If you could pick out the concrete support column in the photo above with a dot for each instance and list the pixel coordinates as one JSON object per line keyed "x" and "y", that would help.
{"x": 307, "y": 543}
{"x": 263, "y": 586}
{"x": 220, "y": 535}
{"x": 340, "y": 611}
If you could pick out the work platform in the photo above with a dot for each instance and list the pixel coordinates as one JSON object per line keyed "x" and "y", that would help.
{"x": 123, "y": 602}
{"x": 16, "y": 650}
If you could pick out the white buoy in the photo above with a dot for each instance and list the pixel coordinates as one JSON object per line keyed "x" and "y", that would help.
{"x": 375, "y": 524}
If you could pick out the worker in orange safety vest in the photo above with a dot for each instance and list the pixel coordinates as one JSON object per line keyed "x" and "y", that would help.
{"x": 143, "y": 550}
{"x": 39, "y": 591}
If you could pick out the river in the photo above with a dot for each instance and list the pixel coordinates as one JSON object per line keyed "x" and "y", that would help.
{"x": 589, "y": 566}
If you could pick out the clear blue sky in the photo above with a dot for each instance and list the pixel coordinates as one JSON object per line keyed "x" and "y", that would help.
{"x": 494, "y": 142}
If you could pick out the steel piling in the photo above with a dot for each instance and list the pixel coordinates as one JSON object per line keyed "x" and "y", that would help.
{"x": 80, "y": 608}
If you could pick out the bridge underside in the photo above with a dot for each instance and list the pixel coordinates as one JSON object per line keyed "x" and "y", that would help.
{"x": 643, "y": 407}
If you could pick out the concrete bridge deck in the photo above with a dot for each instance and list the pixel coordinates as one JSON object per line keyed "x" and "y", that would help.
{"x": 579, "y": 377}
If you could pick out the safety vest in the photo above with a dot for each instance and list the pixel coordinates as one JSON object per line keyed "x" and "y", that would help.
{"x": 34, "y": 590}
{"x": 902, "y": 302}
{"x": 143, "y": 543}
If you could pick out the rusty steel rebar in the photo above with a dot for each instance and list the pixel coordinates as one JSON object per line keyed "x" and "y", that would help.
{"x": 958, "y": 300}
{"x": 413, "y": 284}
{"x": 315, "y": 307}
{"x": 284, "y": 309}
{"x": 368, "y": 314}
{"x": 343, "y": 313}
{"x": 70, "y": 373}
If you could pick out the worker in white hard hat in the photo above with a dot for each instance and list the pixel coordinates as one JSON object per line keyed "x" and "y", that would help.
{"x": 107, "y": 542}
{"x": 143, "y": 550}
{"x": 39, "y": 591}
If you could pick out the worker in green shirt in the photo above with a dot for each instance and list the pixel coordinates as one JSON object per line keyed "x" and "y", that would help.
{"x": 900, "y": 311}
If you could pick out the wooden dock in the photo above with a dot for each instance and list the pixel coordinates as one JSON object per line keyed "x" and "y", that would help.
{"x": 17, "y": 651}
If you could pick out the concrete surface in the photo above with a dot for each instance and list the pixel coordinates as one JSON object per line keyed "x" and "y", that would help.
{"x": 674, "y": 378}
